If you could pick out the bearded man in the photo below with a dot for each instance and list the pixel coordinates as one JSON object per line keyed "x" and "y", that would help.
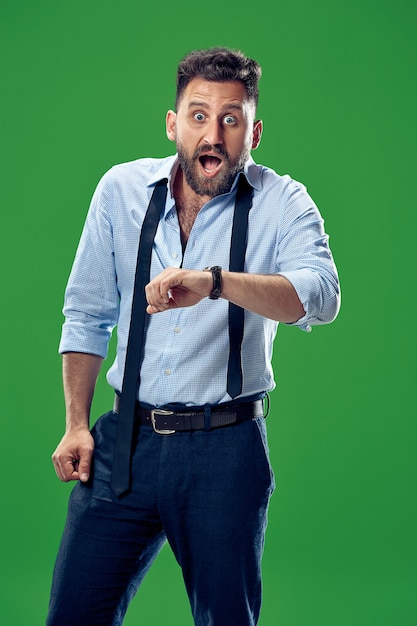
{"x": 195, "y": 258}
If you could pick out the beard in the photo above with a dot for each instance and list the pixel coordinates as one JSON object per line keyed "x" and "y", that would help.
{"x": 222, "y": 182}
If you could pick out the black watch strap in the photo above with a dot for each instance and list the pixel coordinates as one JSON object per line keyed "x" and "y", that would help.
{"x": 216, "y": 272}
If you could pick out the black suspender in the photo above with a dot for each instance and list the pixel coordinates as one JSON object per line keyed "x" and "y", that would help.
{"x": 123, "y": 448}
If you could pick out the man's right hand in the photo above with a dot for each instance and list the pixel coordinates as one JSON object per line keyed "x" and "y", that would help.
{"x": 72, "y": 458}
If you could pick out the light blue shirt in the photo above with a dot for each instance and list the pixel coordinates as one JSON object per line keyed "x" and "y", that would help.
{"x": 186, "y": 350}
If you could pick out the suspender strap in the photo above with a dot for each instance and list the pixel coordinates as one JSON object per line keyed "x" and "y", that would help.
{"x": 123, "y": 447}
{"x": 237, "y": 264}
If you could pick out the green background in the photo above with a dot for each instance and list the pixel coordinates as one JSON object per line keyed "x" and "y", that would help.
{"x": 85, "y": 85}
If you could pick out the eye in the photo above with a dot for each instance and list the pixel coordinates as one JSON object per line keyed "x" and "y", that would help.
{"x": 199, "y": 117}
{"x": 229, "y": 119}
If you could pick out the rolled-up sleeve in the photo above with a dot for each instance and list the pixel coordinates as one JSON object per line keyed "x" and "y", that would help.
{"x": 304, "y": 258}
{"x": 91, "y": 306}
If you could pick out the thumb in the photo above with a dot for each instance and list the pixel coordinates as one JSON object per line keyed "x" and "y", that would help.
{"x": 84, "y": 465}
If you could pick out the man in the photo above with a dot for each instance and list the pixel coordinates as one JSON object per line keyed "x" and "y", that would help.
{"x": 198, "y": 470}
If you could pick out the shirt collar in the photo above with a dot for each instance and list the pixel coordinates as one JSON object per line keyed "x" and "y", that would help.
{"x": 251, "y": 171}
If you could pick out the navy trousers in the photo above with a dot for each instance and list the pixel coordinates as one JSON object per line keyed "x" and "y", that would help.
{"x": 206, "y": 492}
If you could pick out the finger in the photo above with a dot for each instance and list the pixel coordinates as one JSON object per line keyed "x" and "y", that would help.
{"x": 84, "y": 466}
{"x": 157, "y": 304}
{"x": 153, "y": 295}
{"x": 167, "y": 284}
{"x": 73, "y": 462}
{"x": 65, "y": 466}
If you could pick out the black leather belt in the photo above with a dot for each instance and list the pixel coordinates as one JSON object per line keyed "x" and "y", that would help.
{"x": 165, "y": 422}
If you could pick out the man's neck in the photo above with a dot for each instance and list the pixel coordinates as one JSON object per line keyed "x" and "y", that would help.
{"x": 184, "y": 196}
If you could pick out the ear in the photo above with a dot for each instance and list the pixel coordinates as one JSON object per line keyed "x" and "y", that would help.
{"x": 170, "y": 121}
{"x": 257, "y": 134}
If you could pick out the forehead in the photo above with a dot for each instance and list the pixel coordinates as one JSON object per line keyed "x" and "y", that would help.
{"x": 214, "y": 94}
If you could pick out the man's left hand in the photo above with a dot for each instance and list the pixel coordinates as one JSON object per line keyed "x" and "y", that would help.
{"x": 175, "y": 288}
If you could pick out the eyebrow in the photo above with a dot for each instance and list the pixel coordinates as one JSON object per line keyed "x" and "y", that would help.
{"x": 203, "y": 105}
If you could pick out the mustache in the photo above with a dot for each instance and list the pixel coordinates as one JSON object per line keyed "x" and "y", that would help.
{"x": 212, "y": 149}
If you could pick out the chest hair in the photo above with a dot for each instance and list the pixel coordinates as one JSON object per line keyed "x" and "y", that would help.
{"x": 187, "y": 213}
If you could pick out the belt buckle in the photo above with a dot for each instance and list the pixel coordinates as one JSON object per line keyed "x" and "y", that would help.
{"x": 153, "y": 420}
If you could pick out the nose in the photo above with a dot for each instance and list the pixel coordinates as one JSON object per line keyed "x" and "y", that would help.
{"x": 213, "y": 134}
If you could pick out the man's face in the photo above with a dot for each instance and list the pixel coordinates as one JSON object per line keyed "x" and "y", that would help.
{"x": 214, "y": 130}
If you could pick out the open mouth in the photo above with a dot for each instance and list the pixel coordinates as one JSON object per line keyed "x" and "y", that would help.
{"x": 210, "y": 164}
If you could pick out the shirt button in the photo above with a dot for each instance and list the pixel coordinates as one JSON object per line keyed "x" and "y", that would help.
{"x": 168, "y": 372}
{"x": 177, "y": 329}
{"x": 175, "y": 255}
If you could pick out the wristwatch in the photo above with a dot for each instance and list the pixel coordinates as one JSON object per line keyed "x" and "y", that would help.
{"x": 216, "y": 272}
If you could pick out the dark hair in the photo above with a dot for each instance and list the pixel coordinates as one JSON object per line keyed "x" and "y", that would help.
{"x": 219, "y": 65}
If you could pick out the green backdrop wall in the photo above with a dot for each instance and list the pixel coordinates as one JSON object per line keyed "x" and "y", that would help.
{"x": 86, "y": 85}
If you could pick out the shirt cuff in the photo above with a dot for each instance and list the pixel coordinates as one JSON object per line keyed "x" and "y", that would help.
{"x": 307, "y": 286}
{"x": 75, "y": 339}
